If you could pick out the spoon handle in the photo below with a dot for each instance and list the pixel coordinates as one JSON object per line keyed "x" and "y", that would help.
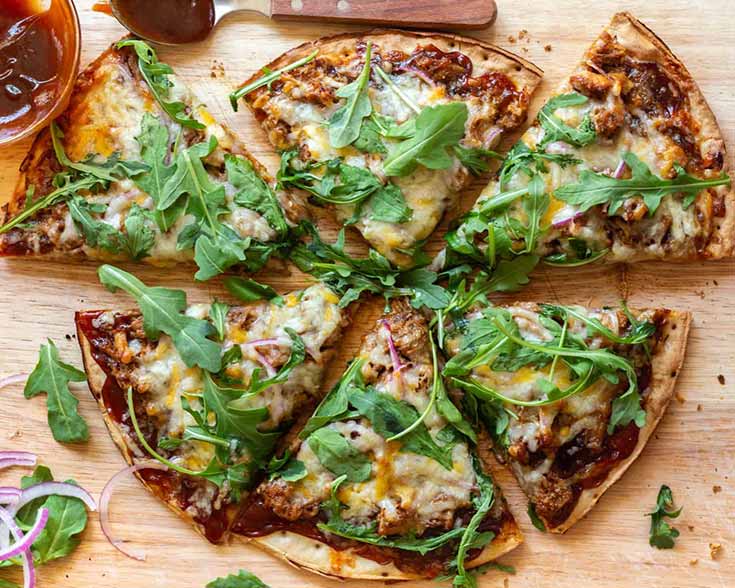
{"x": 454, "y": 14}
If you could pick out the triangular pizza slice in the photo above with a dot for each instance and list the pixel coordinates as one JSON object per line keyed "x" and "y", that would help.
{"x": 384, "y": 481}
{"x": 386, "y": 126}
{"x": 214, "y": 428}
{"x": 624, "y": 163}
{"x": 136, "y": 168}
{"x": 570, "y": 395}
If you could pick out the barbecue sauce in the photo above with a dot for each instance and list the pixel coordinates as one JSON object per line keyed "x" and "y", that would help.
{"x": 35, "y": 58}
{"x": 166, "y": 21}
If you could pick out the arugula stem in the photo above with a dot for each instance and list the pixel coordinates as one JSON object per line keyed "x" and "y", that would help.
{"x": 148, "y": 448}
{"x": 501, "y": 199}
{"x": 432, "y": 399}
{"x": 580, "y": 262}
{"x": 561, "y": 344}
{"x": 268, "y": 78}
{"x": 397, "y": 91}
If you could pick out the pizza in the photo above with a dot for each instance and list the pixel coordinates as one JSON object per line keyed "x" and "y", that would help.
{"x": 383, "y": 481}
{"x": 570, "y": 395}
{"x": 136, "y": 168}
{"x": 215, "y": 431}
{"x": 386, "y": 126}
{"x": 624, "y": 163}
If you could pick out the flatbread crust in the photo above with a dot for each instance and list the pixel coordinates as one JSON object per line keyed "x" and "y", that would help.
{"x": 666, "y": 364}
{"x": 319, "y": 558}
{"x": 485, "y": 57}
{"x": 644, "y": 44}
{"x": 96, "y": 379}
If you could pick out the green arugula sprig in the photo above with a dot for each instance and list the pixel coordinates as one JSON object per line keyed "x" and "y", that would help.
{"x": 52, "y": 376}
{"x": 163, "y": 312}
{"x": 156, "y": 75}
{"x": 594, "y": 189}
{"x": 351, "y": 277}
{"x": 243, "y": 579}
{"x": 557, "y": 130}
{"x": 346, "y": 122}
{"x": 268, "y": 78}
{"x": 662, "y": 534}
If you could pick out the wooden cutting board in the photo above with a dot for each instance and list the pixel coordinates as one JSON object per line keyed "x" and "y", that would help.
{"x": 693, "y": 449}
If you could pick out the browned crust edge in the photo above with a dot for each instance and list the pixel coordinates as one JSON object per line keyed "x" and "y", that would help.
{"x": 667, "y": 361}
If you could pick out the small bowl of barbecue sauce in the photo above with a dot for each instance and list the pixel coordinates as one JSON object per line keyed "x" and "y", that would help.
{"x": 40, "y": 42}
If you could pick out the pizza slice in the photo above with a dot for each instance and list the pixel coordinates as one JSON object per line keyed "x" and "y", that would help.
{"x": 386, "y": 126}
{"x": 136, "y": 168}
{"x": 383, "y": 481}
{"x": 215, "y": 428}
{"x": 570, "y": 395}
{"x": 624, "y": 163}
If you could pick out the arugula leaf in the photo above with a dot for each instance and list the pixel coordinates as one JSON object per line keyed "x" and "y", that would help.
{"x": 340, "y": 456}
{"x": 254, "y": 193}
{"x": 557, "y": 130}
{"x": 162, "y": 310}
{"x": 521, "y": 159}
{"x": 640, "y": 332}
{"x": 336, "y": 403}
{"x": 97, "y": 233}
{"x": 268, "y": 79}
{"x": 52, "y": 376}
{"x": 190, "y": 178}
{"x": 662, "y": 534}
{"x": 110, "y": 170}
{"x": 218, "y": 315}
{"x": 345, "y": 124}
{"x": 425, "y": 290}
{"x": 594, "y": 189}
{"x": 249, "y": 290}
{"x": 156, "y": 75}
{"x": 475, "y": 159}
{"x": 369, "y": 140}
{"x": 242, "y": 580}
{"x": 66, "y": 520}
{"x": 154, "y": 148}
{"x": 535, "y": 519}
{"x": 535, "y": 205}
{"x": 437, "y": 129}
{"x": 139, "y": 237}
{"x": 390, "y": 417}
{"x": 293, "y": 471}
{"x": 389, "y": 205}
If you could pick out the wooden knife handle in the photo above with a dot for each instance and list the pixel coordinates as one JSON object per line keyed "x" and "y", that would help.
{"x": 453, "y": 14}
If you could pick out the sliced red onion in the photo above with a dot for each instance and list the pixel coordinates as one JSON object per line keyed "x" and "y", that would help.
{"x": 620, "y": 170}
{"x": 566, "y": 220}
{"x": 53, "y": 489}
{"x": 105, "y": 504}
{"x": 12, "y": 379}
{"x": 9, "y": 495}
{"x": 421, "y": 74}
{"x": 271, "y": 341}
{"x": 24, "y": 544}
{"x": 395, "y": 358}
{"x": 29, "y": 572}
{"x": 9, "y": 459}
{"x": 559, "y": 147}
{"x": 270, "y": 370}
{"x": 491, "y": 138}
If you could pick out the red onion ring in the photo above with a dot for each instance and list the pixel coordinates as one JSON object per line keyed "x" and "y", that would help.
{"x": 29, "y": 572}
{"x": 421, "y": 75}
{"x": 9, "y": 495}
{"x": 53, "y": 489}
{"x": 395, "y": 358}
{"x": 565, "y": 221}
{"x": 620, "y": 170}
{"x": 9, "y": 459}
{"x": 24, "y": 544}
{"x": 105, "y": 504}
{"x": 12, "y": 379}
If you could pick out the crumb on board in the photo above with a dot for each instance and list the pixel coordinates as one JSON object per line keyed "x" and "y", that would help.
{"x": 715, "y": 550}
{"x": 716, "y": 489}
{"x": 217, "y": 70}
{"x": 523, "y": 35}
{"x": 693, "y": 562}
{"x": 699, "y": 408}
{"x": 679, "y": 398}
{"x": 721, "y": 379}
{"x": 547, "y": 48}
{"x": 511, "y": 39}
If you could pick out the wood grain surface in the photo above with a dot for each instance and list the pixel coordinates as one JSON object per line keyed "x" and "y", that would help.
{"x": 693, "y": 449}
{"x": 475, "y": 14}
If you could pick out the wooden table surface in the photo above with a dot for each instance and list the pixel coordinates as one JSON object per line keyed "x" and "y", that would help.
{"x": 693, "y": 449}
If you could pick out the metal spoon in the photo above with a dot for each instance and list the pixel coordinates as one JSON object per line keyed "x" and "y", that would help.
{"x": 174, "y": 22}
